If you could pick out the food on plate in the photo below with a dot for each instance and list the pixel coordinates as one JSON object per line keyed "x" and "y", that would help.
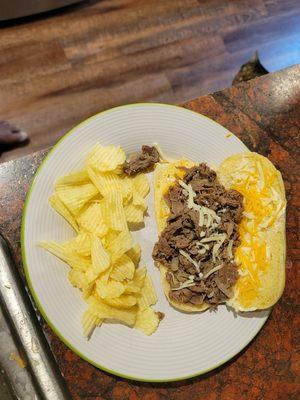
{"x": 221, "y": 235}
{"x": 141, "y": 161}
{"x": 102, "y": 203}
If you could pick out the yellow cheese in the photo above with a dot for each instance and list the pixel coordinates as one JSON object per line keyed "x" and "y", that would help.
{"x": 262, "y": 208}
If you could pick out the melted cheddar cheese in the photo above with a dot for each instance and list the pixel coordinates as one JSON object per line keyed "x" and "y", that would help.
{"x": 262, "y": 207}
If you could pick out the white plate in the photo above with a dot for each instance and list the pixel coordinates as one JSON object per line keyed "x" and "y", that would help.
{"x": 184, "y": 345}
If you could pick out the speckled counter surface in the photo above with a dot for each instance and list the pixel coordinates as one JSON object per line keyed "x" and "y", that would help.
{"x": 265, "y": 114}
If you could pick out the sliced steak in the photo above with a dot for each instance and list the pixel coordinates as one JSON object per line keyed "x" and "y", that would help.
{"x": 180, "y": 247}
{"x": 141, "y": 161}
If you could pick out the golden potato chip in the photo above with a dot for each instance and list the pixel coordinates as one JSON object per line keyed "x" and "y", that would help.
{"x": 82, "y": 244}
{"x": 74, "y": 179}
{"x": 90, "y": 277}
{"x": 79, "y": 252}
{"x": 89, "y": 322}
{"x": 148, "y": 296}
{"x": 138, "y": 200}
{"x": 100, "y": 257}
{"x": 134, "y": 214}
{"x": 118, "y": 246}
{"x": 105, "y": 182}
{"x": 135, "y": 254}
{"x": 88, "y": 291}
{"x": 102, "y": 310}
{"x": 141, "y": 185}
{"x": 65, "y": 253}
{"x": 126, "y": 188}
{"x": 75, "y": 197}
{"x": 100, "y": 203}
{"x": 147, "y": 321}
{"x": 78, "y": 279}
{"x": 135, "y": 286}
{"x": 105, "y": 275}
{"x": 139, "y": 276}
{"x": 118, "y": 170}
{"x": 109, "y": 237}
{"x": 131, "y": 287}
{"x": 109, "y": 290}
{"x": 114, "y": 212}
{"x": 106, "y": 158}
{"x": 92, "y": 220}
{"x": 123, "y": 269}
{"x": 59, "y": 207}
{"x": 124, "y": 301}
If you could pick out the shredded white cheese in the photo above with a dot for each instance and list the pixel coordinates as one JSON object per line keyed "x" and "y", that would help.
{"x": 213, "y": 270}
{"x": 206, "y": 246}
{"x": 229, "y": 249}
{"x": 214, "y": 238}
{"x": 188, "y": 283}
{"x": 191, "y": 193}
{"x": 203, "y": 211}
{"x": 188, "y": 257}
{"x": 217, "y": 246}
{"x": 202, "y": 251}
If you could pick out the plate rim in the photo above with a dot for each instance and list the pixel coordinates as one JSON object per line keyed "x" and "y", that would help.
{"x": 26, "y": 268}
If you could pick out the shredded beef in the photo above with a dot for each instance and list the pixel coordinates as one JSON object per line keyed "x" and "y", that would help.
{"x": 182, "y": 236}
{"x": 141, "y": 161}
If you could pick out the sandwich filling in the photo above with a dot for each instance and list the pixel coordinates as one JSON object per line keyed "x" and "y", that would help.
{"x": 198, "y": 243}
{"x": 141, "y": 161}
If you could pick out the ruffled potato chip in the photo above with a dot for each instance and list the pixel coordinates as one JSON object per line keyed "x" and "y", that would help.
{"x": 147, "y": 321}
{"x": 134, "y": 214}
{"x": 105, "y": 182}
{"x": 138, "y": 200}
{"x": 124, "y": 301}
{"x": 89, "y": 322}
{"x": 135, "y": 254}
{"x": 106, "y": 158}
{"x": 59, "y": 207}
{"x": 118, "y": 246}
{"x": 123, "y": 269}
{"x": 74, "y": 179}
{"x": 93, "y": 220}
{"x": 82, "y": 244}
{"x": 101, "y": 203}
{"x": 141, "y": 185}
{"x": 113, "y": 211}
{"x": 109, "y": 290}
{"x": 139, "y": 276}
{"x": 126, "y": 189}
{"x": 148, "y": 296}
{"x": 135, "y": 286}
{"x": 100, "y": 257}
{"x": 78, "y": 279}
{"x": 102, "y": 310}
{"x": 75, "y": 197}
{"x": 66, "y": 253}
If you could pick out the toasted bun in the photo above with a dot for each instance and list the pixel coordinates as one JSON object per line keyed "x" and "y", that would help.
{"x": 262, "y": 277}
{"x": 261, "y": 282}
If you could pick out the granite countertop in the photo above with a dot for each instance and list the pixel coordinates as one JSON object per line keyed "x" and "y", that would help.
{"x": 265, "y": 114}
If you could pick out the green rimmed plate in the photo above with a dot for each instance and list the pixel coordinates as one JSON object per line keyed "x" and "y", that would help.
{"x": 185, "y": 345}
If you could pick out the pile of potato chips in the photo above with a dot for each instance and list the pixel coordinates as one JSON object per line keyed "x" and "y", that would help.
{"x": 102, "y": 203}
